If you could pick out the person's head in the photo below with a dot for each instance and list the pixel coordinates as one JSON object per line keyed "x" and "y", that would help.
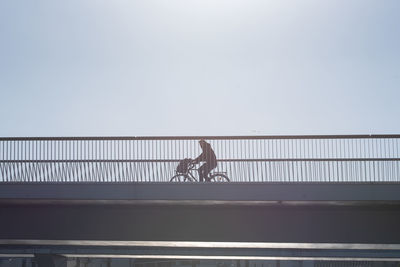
{"x": 202, "y": 142}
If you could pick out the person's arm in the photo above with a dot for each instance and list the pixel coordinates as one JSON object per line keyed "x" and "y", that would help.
{"x": 199, "y": 158}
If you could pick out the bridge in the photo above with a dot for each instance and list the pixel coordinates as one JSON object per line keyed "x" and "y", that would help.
{"x": 310, "y": 198}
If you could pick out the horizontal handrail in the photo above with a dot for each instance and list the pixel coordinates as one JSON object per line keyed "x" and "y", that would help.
{"x": 227, "y": 137}
{"x": 176, "y": 160}
{"x": 238, "y": 170}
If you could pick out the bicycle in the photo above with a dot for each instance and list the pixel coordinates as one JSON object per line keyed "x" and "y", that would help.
{"x": 187, "y": 175}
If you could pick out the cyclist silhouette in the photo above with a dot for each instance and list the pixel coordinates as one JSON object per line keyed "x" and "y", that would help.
{"x": 207, "y": 156}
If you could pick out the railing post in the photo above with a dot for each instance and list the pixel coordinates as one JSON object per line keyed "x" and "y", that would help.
{"x": 50, "y": 260}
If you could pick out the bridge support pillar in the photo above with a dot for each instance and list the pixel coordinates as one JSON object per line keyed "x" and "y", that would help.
{"x": 50, "y": 260}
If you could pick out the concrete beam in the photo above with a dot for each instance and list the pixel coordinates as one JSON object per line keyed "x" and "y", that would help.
{"x": 239, "y": 223}
{"x": 193, "y": 250}
{"x": 197, "y": 193}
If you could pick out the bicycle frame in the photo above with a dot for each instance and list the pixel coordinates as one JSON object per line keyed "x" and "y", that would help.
{"x": 191, "y": 177}
{"x": 189, "y": 172}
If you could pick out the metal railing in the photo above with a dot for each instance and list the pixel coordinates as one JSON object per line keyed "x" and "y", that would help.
{"x": 345, "y": 158}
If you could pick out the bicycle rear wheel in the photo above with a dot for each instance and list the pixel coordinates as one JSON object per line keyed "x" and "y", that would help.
{"x": 219, "y": 178}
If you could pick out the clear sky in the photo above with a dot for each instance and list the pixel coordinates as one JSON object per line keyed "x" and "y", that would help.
{"x": 199, "y": 67}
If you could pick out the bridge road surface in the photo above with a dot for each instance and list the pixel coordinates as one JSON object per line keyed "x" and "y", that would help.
{"x": 366, "y": 213}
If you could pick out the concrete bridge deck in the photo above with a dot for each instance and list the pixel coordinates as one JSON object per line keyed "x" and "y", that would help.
{"x": 226, "y": 212}
{"x": 200, "y": 220}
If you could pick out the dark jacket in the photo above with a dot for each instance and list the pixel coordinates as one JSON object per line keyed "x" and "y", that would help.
{"x": 207, "y": 155}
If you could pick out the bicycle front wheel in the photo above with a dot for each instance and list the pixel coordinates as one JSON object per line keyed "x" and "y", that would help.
{"x": 180, "y": 178}
{"x": 219, "y": 177}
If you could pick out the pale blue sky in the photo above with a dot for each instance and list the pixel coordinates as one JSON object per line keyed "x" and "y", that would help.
{"x": 198, "y": 67}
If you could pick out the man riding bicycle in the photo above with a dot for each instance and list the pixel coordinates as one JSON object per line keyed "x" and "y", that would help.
{"x": 207, "y": 156}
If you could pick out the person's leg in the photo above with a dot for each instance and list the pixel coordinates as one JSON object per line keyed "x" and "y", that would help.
{"x": 210, "y": 167}
{"x": 202, "y": 172}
